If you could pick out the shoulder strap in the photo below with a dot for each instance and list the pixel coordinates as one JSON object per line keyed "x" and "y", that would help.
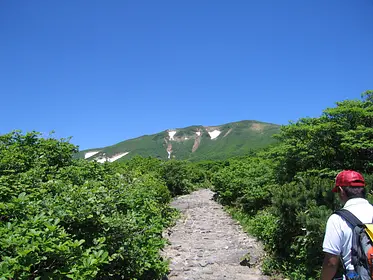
{"x": 349, "y": 217}
{"x": 354, "y": 221}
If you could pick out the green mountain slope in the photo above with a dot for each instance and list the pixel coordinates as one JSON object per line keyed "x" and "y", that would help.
{"x": 193, "y": 143}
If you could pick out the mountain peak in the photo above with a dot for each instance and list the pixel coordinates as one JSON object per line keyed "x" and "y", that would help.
{"x": 194, "y": 142}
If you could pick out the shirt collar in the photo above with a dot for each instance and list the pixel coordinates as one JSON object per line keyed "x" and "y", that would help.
{"x": 354, "y": 201}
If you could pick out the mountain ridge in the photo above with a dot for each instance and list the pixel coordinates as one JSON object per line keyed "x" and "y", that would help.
{"x": 195, "y": 142}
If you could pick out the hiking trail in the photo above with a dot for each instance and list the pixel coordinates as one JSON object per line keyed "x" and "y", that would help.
{"x": 206, "y": 243}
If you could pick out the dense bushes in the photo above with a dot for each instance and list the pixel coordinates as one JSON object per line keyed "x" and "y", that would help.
{"x": 284, "y": 194}
{"x": 340, "y": 139}
{"x": 61, "y": 218}
{"x": 246, "y": 183}
{"x": 177, "y": 177}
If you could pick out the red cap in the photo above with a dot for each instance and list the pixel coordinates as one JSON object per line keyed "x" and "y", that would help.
{"x": 348, "y": 178}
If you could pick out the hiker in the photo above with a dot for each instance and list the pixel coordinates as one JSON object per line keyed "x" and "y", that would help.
{"x": 350, "y": 186}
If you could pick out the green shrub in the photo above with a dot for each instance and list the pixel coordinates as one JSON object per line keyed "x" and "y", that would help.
{"x": 177, "y": 176}
{"x": 264, "y": 225}
{"x": 71, "y": 219}
{"x": 246, "y": 183}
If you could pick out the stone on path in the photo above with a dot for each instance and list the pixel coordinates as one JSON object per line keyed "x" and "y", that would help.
{"x": 206, "y": 243}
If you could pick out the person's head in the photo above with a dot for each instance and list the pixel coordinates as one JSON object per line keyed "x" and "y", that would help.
{"x": 349, "y": 184}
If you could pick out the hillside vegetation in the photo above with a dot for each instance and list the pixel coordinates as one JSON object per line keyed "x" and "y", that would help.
{"x": 68, "y": 218}
{"x": 192, "y": 143}
{"x": 62, "y": 218}
{"x": 283, "y": 195}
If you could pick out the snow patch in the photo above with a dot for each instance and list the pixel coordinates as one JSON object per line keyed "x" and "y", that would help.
{"x": 118, "y": 156}
{"x": 169, "y": 150}
{"x": 104, "y": 158}
{"x": 89, "y": 154}
{"x": 101, "y": 159}
{"x": 214, "y": 134}
{"x": 171, "y": 134}
{"x": 198, "y": 133}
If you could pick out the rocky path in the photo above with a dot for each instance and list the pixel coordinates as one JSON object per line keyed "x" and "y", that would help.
{"x": 207, "y": 244}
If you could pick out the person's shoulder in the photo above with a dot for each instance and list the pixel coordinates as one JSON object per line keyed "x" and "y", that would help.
{"x": 335, "y": 219}
{"x": 370, "y": 204}
{"x": 335, "y": 227}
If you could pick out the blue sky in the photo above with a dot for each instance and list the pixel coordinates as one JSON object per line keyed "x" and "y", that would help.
{"x": 106, "y": 71}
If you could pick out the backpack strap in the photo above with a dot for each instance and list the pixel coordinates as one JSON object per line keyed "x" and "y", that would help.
{"x": 354, "y": 222}
{"x": 349, "y": 217}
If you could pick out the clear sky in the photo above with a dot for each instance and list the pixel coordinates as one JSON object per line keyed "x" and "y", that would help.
{"x": 106, "y": 71}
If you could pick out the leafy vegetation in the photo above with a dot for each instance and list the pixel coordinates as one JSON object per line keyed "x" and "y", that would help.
{"x": 283, "y": 195}
{"x": 62, "y": 218}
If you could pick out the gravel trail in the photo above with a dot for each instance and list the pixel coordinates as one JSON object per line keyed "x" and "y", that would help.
{"x": 206, "y": 243}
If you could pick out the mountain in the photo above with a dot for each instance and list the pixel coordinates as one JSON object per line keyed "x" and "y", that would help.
{"x": 193, "y": 142}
